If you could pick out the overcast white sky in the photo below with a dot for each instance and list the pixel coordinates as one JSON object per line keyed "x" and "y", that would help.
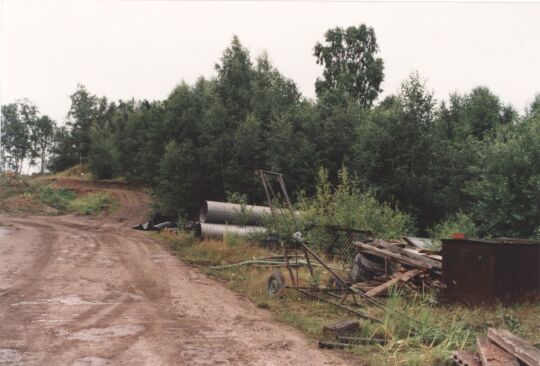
{"x": 142, "y": 49}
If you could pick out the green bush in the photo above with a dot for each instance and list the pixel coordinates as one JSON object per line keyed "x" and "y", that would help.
{"x": 458, "y": 223}
{"x": 347, "y": 205}
{"x": 57, "y": 198}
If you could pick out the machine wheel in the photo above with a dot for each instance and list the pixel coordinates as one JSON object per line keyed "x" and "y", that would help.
{"x": 275, "y": 285}
{"x": 334, "y": 283}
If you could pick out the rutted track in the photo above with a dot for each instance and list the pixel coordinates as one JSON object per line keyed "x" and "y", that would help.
{"x": 76, "y": 290}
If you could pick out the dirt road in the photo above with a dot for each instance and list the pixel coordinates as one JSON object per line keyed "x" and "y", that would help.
{"x": 76, "y": 290}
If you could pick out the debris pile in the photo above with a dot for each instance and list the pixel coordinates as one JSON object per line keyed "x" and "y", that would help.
{"x": 381, "y": 264}
{"x": 150, "y": 226}
{"x": 499, "y": 347}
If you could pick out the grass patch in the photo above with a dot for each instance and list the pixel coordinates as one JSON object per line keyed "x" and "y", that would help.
{"x": 57, "y": 198}
{"x": 439, "y": 329}
{"x": 79, "y": 171}
{"x": 22, "y": 194}
{"x": 93, "y": 203}
{"x": 11, "y": 185}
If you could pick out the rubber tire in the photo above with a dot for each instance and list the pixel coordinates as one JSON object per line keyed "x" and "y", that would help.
{"x": 334, "y": 283}
{"x": 275, "y": 285}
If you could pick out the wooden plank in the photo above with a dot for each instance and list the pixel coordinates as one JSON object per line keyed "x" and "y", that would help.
{"x": 388, "y": 254}
{"x": 366, "y": 285}
{"x": 407, "y": 252}
{"x": 492, "y": 355}
{"x": 341, "y": 327}
{"x": 422, "y": 243}
{"x": 428, "y": 258}
{"x": 466, "y": 358}
{"x": 517, "y": 346}
{"x": 403, "y": 277}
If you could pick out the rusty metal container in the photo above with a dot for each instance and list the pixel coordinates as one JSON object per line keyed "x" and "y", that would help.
{"x": 486, "y": 271}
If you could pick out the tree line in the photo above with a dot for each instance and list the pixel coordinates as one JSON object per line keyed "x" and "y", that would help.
{"x": 470, "y": 155}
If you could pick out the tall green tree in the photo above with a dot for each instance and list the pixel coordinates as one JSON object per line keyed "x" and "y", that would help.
{"x": 178, "y": 179}
{"x": 17, "y": 118}
{"x": 234, "y": 80}
{"x": 351, "y": 65}
{"x": 506, "y": 188}
{"x": 394, "y": 150}
{"x": 534, "y": 108}
{"x": 272, "y": 93}
{"x": 478, "y": 113}
{"x": 41, "y": 138}
{"x": 249, "y": 155}
{"x": 103, "y": 154}
{"x": 86, "y": 109}
{"x": 64, "y": 153}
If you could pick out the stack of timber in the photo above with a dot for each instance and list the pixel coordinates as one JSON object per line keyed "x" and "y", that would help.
{"x": 412, "y": 266}
{"x": 500, "y": 347}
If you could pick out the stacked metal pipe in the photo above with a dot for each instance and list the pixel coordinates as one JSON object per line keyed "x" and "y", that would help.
{"x": 218, "y": 218}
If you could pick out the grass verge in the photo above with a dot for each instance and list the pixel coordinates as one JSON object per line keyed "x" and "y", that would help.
{"x": 25, "y": 195}
{"x": 437, "y": 331}
{"x": 93, "y": 203}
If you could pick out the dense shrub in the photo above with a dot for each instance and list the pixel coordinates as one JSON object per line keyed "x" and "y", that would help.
{"x": 457, "y": 223}
{"x": 349, "y": 206}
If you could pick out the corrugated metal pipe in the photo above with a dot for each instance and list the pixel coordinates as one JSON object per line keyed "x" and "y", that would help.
{"x": 232, "y": 213}
{"x": 218, "y": 231}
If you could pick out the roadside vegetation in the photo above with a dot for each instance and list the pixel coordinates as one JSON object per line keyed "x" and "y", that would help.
{"x": 25, "y": 195}
{"x": 347, "y": 204}
{"x": 443, "y": 328}
{"x": 470, "y": 156}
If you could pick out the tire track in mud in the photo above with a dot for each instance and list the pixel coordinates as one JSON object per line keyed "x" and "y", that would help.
{"x": 82, "y": 290}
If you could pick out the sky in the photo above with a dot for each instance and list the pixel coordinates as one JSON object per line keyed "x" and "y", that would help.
{"x": 143, "y": 49}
